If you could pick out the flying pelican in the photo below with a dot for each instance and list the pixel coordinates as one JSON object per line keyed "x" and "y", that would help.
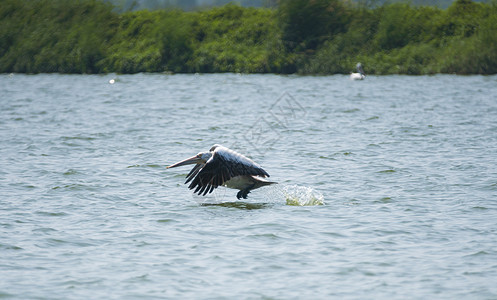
{"x": 223, "y": 166}
{"x": 360, "y": 75}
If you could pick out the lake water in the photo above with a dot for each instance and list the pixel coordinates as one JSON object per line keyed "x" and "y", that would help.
{"x": 387, "y": 187}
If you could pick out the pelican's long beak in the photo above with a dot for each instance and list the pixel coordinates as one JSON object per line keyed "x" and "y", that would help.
{"x": 188, "y": 161}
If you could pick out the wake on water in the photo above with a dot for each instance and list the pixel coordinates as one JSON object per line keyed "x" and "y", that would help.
{"x": 293, "y": 195}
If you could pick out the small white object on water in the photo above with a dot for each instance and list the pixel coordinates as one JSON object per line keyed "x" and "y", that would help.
{"x": 112, "y": 81}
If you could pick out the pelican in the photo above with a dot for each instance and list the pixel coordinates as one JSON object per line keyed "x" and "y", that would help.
{"x": 223, "y": 166}
{"x": 360, "y": 75}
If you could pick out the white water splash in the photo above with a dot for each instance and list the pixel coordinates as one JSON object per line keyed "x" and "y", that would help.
{"x": 294, "y": 195}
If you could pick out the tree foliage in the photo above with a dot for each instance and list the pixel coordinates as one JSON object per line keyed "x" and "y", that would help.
{"x": 306, "y": 24}
{"x": 304, "y": 36}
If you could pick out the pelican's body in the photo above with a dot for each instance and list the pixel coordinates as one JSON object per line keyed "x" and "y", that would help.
{"x": 223, "y": 166}
{"x": 360, "y": 75}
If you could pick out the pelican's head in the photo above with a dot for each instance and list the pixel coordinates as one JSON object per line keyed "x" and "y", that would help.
{"x": 359, "y": 69}
{"x": 214, "y": 147}
{"x": 200, "y": 158}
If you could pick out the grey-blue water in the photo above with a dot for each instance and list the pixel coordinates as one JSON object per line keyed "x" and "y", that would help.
{"x": 387, "y": 187}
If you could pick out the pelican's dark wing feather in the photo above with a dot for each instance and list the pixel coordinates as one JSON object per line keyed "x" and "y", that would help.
{"x": 223, "y": 165}
{"x": 193, "y": 172}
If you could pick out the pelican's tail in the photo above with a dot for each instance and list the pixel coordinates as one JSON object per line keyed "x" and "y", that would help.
{"x": 260, "y": 182}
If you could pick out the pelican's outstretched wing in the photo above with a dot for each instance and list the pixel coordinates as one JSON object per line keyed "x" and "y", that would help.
{"x": 223, "y": 165}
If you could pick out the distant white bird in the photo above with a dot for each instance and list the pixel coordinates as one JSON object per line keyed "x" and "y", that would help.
{"x": 360, "y": 75}
{"x": 223, "y": 166}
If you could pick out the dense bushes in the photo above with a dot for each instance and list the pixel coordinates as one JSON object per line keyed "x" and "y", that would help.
{"x": 52, "y": 36}
{"x": 310, "y": 37}
{"x": 234, "y": 39}
{"x": 307, "y": 24}
{"x": 399, "y": 38}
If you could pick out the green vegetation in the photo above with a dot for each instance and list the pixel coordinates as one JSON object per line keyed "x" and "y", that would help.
{"x": 304, "y": 36}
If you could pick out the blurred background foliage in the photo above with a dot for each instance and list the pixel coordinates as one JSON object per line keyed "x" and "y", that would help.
{"x": 303, "y": 36}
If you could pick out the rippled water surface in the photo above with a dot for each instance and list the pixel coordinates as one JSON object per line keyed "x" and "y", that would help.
{"x": 387, "y": 187}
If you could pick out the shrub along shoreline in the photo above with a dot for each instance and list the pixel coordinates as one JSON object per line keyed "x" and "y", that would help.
{"x": 300, "y": 36}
